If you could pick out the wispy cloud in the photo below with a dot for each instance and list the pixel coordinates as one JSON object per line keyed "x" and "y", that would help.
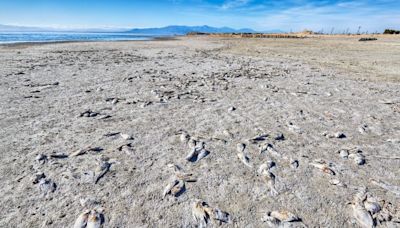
{"x": 339, "y": 16}
{"x": 230, "y": 4}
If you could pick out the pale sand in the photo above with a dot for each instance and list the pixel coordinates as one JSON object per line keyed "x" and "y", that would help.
{"x": 320, "y": 85}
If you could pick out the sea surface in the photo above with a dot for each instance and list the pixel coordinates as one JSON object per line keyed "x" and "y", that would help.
{"x": 14, "y": 37}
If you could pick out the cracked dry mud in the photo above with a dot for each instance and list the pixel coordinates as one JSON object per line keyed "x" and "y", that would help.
{"x": 126, "y": 104}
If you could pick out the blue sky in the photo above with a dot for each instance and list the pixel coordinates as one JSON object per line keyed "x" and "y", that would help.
{"x": 371, "y": 15}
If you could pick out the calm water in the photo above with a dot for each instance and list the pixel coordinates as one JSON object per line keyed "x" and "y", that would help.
{"x": 54, "y": 37}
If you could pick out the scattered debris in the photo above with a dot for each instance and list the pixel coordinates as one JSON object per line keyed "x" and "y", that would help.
{"x": 279, "y": 137}
{"x": 282, "y": 219}
{"x": 126, "y": 136}
{"x": 269, "y": 177}
{"x": 90, "y": 219}
{"x": 197, "y": 152}
{"x": 358, "y": 158}
{"x": 88, "y": 113}
{"x": 338, "y": 135}
{"x": 41, "y": 158}
{"x": 323, "y": 166}
{"x": 242, "y": 155}
{"x": 84, "y": 151}
{"x": 204, "y": 215}
{"x": 338, "y": 183}
{"x": 176, "y": 185}
{"x": 46, "y": 186}
{"x": 101, "y": 170}
{"x": 369, "y": 211}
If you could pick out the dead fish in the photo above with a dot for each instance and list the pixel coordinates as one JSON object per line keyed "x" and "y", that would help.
{"x": 114, "y": 101}
{"x": 187, "y": 177}
{"x": 358, "y": 158}
{"x": 284, "y": 216}
{"x": 126, "y": 136}
{"x": 168, "y": 188}
{"x": 240, "y": 147}
{"x": 54, "y": 154}
{"x": 363, "y": 129}
{"x": 200, "y": 214}
{"x": 344, "y": 153}
{"x": 294, "y": 163}
{"x": 259, "y": 138}
{"x": 94, "y": 219}
{"x": 47, "y": 186}
{"x": 127, "y": 149}
{"x": 104, "y": 116}
{"x": 323, "y": 167}
{"x": 111, "y": 134}
{"x": 362, "y": 216}
{"x": 265, "y": 167}
{"x": 221, "y": 216}
{"x": 197, "y": 153}
{"x": 269, "y": 148}
{"x": 178, "y": 188}
{"x": 202, "y": 154}
{"x": 84, "y": 151}
{"x": 337, "y": 183}
{"x": 338, "y": 135}
{"x": 360, "y": 196}
{"x": 245, "y": 159}
{"x": 279, "y": 137}
{"x": 82, "y": 220}
{"x": 88, "y": 113}
{"x": 192, "y": 154}
{"x": 38, "y": 176}
{"x": 41, "y": 158}
{"x": 203, "y": 214}
{"x": 180, "y": 175}
{"x": 270, "y": 179}
{"x": 78, "y": 153}
{"x": 101, "y": 170}
{"x": 372, "y": 206}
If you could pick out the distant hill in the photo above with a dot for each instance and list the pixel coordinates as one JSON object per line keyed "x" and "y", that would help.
{"x": 164, "y": 31}
{"x": 182, "y": 30}
{"x": 11, "y": 28}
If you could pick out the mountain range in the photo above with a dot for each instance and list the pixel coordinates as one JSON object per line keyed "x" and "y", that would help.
{"x": 163, "y": 31}
{"x": 182, "y": 30}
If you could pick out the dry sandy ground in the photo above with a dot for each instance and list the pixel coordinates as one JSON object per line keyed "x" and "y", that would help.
{"x": 307, "y": 90}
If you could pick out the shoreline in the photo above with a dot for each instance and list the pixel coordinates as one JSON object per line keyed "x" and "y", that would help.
{"x": 39, "y": 43}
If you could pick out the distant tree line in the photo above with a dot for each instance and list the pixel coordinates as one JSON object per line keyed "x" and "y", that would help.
{"x": 391, "y": 31}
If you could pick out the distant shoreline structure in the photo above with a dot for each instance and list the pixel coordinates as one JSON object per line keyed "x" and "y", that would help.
{"x": 296, "y": 35}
